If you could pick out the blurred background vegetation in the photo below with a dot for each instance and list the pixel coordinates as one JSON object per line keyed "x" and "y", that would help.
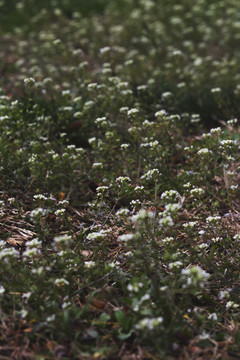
{"x": 10, "y": 16}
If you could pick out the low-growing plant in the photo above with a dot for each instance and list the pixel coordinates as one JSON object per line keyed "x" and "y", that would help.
{"x": 119, "y": 173}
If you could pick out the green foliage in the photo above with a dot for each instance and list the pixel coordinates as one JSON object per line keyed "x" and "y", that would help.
{"x": 119, "y": 173}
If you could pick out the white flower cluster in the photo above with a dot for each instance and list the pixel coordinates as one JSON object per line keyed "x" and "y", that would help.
{"x": 40, "y": 197}
{"x": 101, "y": 121}
{"x": 194, "y": 276}
{"x": 29, "y": 81}
{"x": 237, "y": 237}
{"x": 92, "y": 140}
{"x": 166, "y": 221}
{"x": 138, "y": 304}
{"x": 122, "y": 212}
{"x": 142, "y": 215}
{"x": 97, "y": 165}
{"x": 231, "y": 304}
{"x": 160, "y": 114}
{"x": 232, "y": 121}
{"x": 204, "y": 152}
{"x": 139, "y": 188}
{"x": 123, "y": 179}
{"x": 34, "y": 243}
{"x": 172, "y": 208}
{"x": 61, "y": 282}
{"x": 149, "y": 323}
{"x": 105, "y": 50}
{"x": 175, "y": 264}
{"x": 126, "y": 237}
{"x": 62, "y": 239}
{"x": 203, "y": 246}
{"x": 101, "y": 190}
{"x": 216, "y": 131}
{"x": 228, "y": 144}
{"x": 216, "y": 90}
{"x": 190, "y": 224}
{"x": 114, "y": 264}
{"x": 154, "y": 173}
{"x": 224, "y": 294}
{"x": 213, "y": 317}
{"x": 213, "y": 219}
{"x": 135, "y": 287}
{"x": 38, "y": 212}
{"x": 216, "y": 239}
{"x": 136, "y": 202}
{"x": 151, "y": 144}
{"x": 89, "y": 264}
{"x": 60, "y": 212}
{"x": 124, "y": 146}
{"x": 168, "y": 240}
{"x": 100, "y": 235}
{"x": 31, "y": 253}
{"x": 166, "y": 95}
{"x": 195, "y": 118}
{"x": 7, "y": 253}
{"x": 170, "y": 195}
{"x": 146, "y": 123}
{"x": 196, "y": 191}
{"x": 132, "y": 112}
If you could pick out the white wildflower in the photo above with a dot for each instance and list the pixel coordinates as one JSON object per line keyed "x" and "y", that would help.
{"x": 149, "y": 323}
{"x": 122, "y": 212}
{"x": 61, "y": 282}
{"x": 89, "y": 264}
{"x": 231, "y": 304}
{"x": 190, "y": 224}
{"x": 132, "y": 112}
{"x": 124, "y": 146}
{"x": 213, "y": 317}
{"x": 62, "y": 239}
{"x": 196, "y": 191}
{"x": 175, "y": 264}
{"x": 160, "y": 114}
{"x": 100, "y": 235}
{"x": 123, "y": 179}
{"x": 166, "y": 221}
{"x": 60, "y": 212}
{"x": 171, "y": 195}
{"x": 126, "y": 237}
{"x": 204, "y": 152}
{"x": 216, "y": 90}
{"x": 213, "y": 219}
{"x": 195, "y": 276}
{"x": 154, "y": 173}
{"x": 97, "y": 165}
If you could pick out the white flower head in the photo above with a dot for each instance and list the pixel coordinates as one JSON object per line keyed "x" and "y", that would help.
{"x": 194, "y": 276}
{"x": 126, "y": 237}
{"x": 166, "y": 221}
{"x": 132, "y": 112}
{"x": 122, "y": 212}
{"x": 204, "y": 152}
{"x": 149, "y": 323}
{"x": 61, "y": 282}
{"x": 171, "y": 195}
{"x": 89, "y": 264}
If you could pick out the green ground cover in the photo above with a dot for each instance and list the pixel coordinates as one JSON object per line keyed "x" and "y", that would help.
{"x": 119, "y": 179}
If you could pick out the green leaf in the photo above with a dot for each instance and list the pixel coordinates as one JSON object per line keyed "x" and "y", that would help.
{"x": 121, "y": 318}
{"x": 123, "y": 336}
{"x": 104, "y": 317}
